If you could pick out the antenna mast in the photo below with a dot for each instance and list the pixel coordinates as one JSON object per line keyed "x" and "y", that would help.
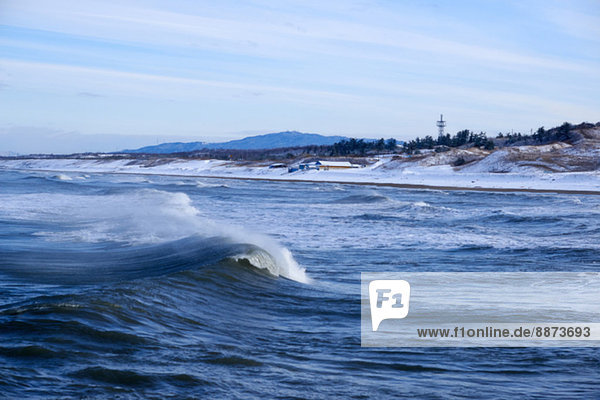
{"x": 441, "y": 124}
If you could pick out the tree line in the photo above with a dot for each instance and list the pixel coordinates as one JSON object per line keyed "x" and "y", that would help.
{"x": 445, "y": 142}
{"x": 541, "y": 136}
{"x": 361, "y": 147}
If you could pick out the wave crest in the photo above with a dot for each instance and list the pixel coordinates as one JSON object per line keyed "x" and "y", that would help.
{"x": 134, "y": 231}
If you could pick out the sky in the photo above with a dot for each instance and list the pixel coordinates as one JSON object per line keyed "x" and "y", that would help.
{"x": 105, "y": 75}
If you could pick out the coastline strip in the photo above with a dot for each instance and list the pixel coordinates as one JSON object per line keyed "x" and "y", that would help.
{"x": 384, "y": 184}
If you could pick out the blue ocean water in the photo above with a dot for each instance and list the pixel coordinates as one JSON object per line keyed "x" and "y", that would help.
{"x": 122, "y": 286}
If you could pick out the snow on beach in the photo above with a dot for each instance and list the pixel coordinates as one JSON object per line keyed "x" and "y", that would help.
{"x": 385, "y": 171}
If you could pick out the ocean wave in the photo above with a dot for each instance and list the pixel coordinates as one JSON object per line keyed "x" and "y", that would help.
{"x": 143, "y": 233}
{"x": 513, "y": 218}
{"x": 421, "y": 204}
{"x": 200, "y": 184}
{"x": 360, "y": 199}
{"x": 62, "y": 177}
{"x": 375, "y": 217}
{"x": 71, "y": 266}
{"x": 104, "y": 264}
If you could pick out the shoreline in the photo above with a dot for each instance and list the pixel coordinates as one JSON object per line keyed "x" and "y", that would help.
{"x": 409, "y": 186}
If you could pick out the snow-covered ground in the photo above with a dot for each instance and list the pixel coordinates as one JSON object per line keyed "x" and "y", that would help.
{"x": 385, "y": 171}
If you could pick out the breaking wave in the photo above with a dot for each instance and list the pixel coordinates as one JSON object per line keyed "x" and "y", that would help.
{"x": 62, "y": 177}
{"x": 90, "y": 239}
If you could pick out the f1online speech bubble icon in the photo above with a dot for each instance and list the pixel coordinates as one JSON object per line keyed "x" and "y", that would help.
{"x": 389, "y": 299}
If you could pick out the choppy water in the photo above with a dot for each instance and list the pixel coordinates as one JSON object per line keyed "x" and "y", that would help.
{"x": 156, "y": 287}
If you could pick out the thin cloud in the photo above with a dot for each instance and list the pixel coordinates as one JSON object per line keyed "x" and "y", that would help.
{"x": 577, "y": 24}
{"x": 319, "y": 66}
{"x": 250, "y": 34}
{"x": 89, "y": 94}
{"x": 102, "y": 75}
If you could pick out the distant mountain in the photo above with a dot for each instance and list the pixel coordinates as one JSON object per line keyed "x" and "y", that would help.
{"x": 268, "y": 141}
{"x": 165, "y": 148}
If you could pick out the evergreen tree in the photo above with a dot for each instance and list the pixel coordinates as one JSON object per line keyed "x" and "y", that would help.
{"x": 391, "y": 144}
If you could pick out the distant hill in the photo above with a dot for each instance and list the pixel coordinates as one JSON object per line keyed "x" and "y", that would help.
{"x": 268, "y": 141}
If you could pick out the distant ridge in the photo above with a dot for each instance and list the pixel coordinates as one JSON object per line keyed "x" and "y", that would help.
{"x": 268, "y": 141}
